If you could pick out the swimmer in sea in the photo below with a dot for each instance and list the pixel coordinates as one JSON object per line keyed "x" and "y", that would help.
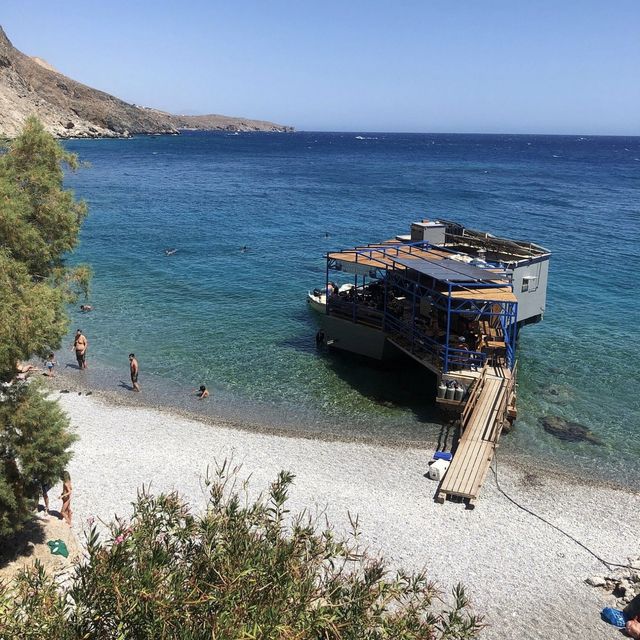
{"x": 85, "y": 308}
{"x": 202, "y": 392}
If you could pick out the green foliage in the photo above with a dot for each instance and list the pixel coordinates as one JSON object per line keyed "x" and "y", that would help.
{"x": 34, "y": 443}
{"x": 39, "y": 220}
{"x": 32, "y": 316}
{"x": 41, "y": 613}
{"x": 39, "y": 225}
{"x": 241, "y": 570}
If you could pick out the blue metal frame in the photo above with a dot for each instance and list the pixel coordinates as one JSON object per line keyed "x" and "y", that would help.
{"x": 411, "y": 283}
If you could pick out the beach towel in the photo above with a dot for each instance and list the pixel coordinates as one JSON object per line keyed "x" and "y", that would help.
{"x": 58, "y": 548}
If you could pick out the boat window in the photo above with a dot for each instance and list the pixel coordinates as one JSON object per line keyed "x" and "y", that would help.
{"x": 529, "y": 283}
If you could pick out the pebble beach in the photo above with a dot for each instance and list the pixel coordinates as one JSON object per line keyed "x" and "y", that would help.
{"x": 525, "y": 577}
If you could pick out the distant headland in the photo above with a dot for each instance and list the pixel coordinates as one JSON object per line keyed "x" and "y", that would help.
{"x": 69, "y": 109}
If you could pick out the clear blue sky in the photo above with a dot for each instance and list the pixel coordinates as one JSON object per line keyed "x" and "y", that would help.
{"x": 544, "y": 66}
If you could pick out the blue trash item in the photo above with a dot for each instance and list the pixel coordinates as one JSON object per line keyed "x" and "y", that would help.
{"x": 442, "y": 455}
{"x": 614, "y": 617}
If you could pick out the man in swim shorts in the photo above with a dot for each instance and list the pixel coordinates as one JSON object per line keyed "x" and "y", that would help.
{"x": 133, "y": 369}
{"x": 80, "y": 345}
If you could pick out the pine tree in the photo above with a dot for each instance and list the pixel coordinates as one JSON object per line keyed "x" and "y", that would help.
{"x": 39, "y": 226}
{"x": 40, "y": 220}
{"x": 35, "y": 441}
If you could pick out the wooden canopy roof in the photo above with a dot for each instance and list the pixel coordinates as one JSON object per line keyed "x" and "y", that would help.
{"x": 434, "y": 262}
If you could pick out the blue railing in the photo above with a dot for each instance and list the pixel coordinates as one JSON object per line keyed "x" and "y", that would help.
{"x": 422, "y": 345}
{"x": 464, "y": 359}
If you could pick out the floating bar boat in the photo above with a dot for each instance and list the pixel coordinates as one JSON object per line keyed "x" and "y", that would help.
{"x": 453, "y": 299}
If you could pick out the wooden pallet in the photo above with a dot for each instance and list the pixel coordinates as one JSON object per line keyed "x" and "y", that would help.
{"x": 482, "y": 426}
{"x": 467, "y": 472}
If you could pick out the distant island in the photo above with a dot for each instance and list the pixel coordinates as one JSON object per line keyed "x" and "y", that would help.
{"x": 69, "y": 109}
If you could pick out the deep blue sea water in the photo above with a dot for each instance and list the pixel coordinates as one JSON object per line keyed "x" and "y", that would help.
{"x": 239, "y": 321}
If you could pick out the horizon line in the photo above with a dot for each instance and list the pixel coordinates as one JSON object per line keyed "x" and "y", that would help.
{"x": 430, "y": 133}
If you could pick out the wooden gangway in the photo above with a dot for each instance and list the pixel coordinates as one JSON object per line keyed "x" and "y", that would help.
{"x": 481, "y": 423}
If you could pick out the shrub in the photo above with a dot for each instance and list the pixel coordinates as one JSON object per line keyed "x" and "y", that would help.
{"x": 241, "y": 570}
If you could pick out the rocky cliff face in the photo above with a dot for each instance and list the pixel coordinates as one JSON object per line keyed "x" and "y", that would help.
{"x": 70, "y": 109}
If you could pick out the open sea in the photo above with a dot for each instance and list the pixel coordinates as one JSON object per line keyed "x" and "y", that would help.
{"x": 238, "y": 321}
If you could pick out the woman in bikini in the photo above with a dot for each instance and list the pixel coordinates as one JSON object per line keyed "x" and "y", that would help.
{"x": 67, "y": 490}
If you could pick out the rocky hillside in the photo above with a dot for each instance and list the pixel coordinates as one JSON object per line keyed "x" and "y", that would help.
{"x": 70, "y": 109}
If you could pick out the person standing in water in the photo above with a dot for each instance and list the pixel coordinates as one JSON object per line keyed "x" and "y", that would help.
{"x": 80, "y": 344}
{"x": 133, "y": 369}
{"x": 67, "y": 490}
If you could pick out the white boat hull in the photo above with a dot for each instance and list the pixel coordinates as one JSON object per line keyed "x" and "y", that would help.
{"x": 317, "y": 303}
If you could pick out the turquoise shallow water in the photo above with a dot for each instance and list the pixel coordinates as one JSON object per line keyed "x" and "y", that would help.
{"x": 239, "y": 322}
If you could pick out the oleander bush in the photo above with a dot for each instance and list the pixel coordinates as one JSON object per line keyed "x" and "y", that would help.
{"x": 243, "y": 569}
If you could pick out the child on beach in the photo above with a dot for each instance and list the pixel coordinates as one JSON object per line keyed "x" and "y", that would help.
{"x": 44, "y": 488}
{"x": 67, "y": 490}
{"x": 50, "y": 363}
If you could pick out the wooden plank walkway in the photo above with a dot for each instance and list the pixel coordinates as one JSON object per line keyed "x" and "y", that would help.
{"x": 482, "y": 423}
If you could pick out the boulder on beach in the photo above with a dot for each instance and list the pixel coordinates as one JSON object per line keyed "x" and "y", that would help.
{"x": 568, "y": 430}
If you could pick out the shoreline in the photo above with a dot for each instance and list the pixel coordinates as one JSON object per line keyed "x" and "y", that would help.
{"x": 511, "y": 563}
{"x": 73, "y": 383}
{"x": 526, "y": 462}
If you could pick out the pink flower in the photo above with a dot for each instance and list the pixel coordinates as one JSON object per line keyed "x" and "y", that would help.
{"x": 119, "y": 539}
{"x": 90, "y": 520}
